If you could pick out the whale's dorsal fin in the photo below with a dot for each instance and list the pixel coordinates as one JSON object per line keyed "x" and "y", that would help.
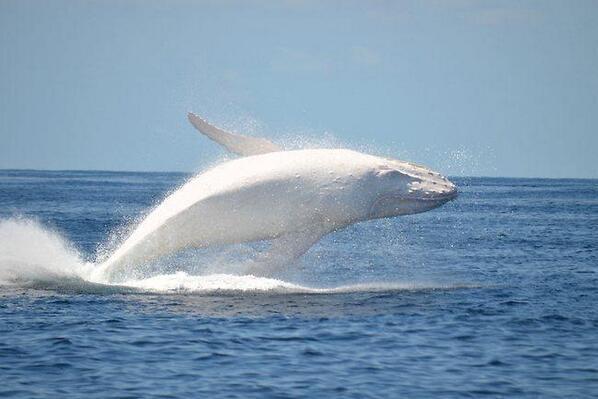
{"x": 241, "y": 145}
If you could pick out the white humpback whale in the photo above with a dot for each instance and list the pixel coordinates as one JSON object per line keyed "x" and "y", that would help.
{"x": 292, "y": 198}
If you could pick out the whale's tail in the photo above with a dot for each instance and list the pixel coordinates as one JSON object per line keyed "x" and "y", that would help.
{"x": 239, "y": 144}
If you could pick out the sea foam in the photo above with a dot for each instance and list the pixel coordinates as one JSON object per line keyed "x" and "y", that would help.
{"x": 36, "y": 256}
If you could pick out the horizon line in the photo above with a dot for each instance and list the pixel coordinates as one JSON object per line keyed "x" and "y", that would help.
{"x": 196, "y": 172}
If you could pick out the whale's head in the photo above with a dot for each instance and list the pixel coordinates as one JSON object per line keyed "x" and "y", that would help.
{"x": 404, "y": 188}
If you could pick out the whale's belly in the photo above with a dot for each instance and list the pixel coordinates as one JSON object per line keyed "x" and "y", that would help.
{"x": 257, "y": 212}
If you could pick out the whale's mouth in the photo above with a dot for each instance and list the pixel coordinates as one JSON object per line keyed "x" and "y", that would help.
{"x": 443, "y": 197}
{"x": 396, "y": 204}
{"x": 423, "y": 197}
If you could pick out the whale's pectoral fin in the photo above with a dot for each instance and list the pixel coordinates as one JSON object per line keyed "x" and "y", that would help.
{"x": 285, "y": 250}
{"x": 241, "y": 145}
{"x": 294, "y": 245}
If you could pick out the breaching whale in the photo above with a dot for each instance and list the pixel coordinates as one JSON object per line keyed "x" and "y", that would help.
{"x": 292, "y": 198}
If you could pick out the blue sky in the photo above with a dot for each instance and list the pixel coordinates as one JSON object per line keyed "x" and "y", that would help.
{"x": 493, "y": 88}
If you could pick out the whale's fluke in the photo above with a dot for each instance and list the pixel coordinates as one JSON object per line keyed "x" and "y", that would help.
{"x": 239, "y": 144}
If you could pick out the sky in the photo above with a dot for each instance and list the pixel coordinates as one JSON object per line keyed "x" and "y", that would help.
{"x": 477, "y": 88}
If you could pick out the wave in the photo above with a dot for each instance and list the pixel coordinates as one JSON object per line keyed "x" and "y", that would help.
{"x": 33, "y": 256}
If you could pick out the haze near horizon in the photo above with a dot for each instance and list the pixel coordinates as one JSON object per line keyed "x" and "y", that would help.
{"x": 465, "y": 87}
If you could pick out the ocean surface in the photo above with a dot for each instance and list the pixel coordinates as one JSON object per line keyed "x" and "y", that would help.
{"x": 492, "y": 295}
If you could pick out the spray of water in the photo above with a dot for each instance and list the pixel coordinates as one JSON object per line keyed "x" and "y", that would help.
{"x": 29, "y": 252}
{"x": 32, "y": 255}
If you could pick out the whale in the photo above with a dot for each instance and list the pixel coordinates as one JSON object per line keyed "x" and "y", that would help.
{"x": 289, "y": 198}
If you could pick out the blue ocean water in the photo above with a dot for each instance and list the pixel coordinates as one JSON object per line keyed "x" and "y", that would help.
{"x": 495, "y": 294}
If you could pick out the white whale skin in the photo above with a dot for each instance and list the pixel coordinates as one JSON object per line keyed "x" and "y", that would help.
{"x": 292, "y": 197}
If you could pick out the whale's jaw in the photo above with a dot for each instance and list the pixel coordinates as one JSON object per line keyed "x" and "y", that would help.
{"x": 397, "y": 205}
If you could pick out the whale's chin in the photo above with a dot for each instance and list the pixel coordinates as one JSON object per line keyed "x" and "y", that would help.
{"x": 399, "y": 205}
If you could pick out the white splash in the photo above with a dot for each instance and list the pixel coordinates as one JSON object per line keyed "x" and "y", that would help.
{"x": 32, "y": 255}
{"x": 30, "y": 252}
{"x": 183, "y": 282}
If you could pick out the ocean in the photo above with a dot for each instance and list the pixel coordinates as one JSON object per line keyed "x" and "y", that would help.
{"x": 494, "y": 294}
